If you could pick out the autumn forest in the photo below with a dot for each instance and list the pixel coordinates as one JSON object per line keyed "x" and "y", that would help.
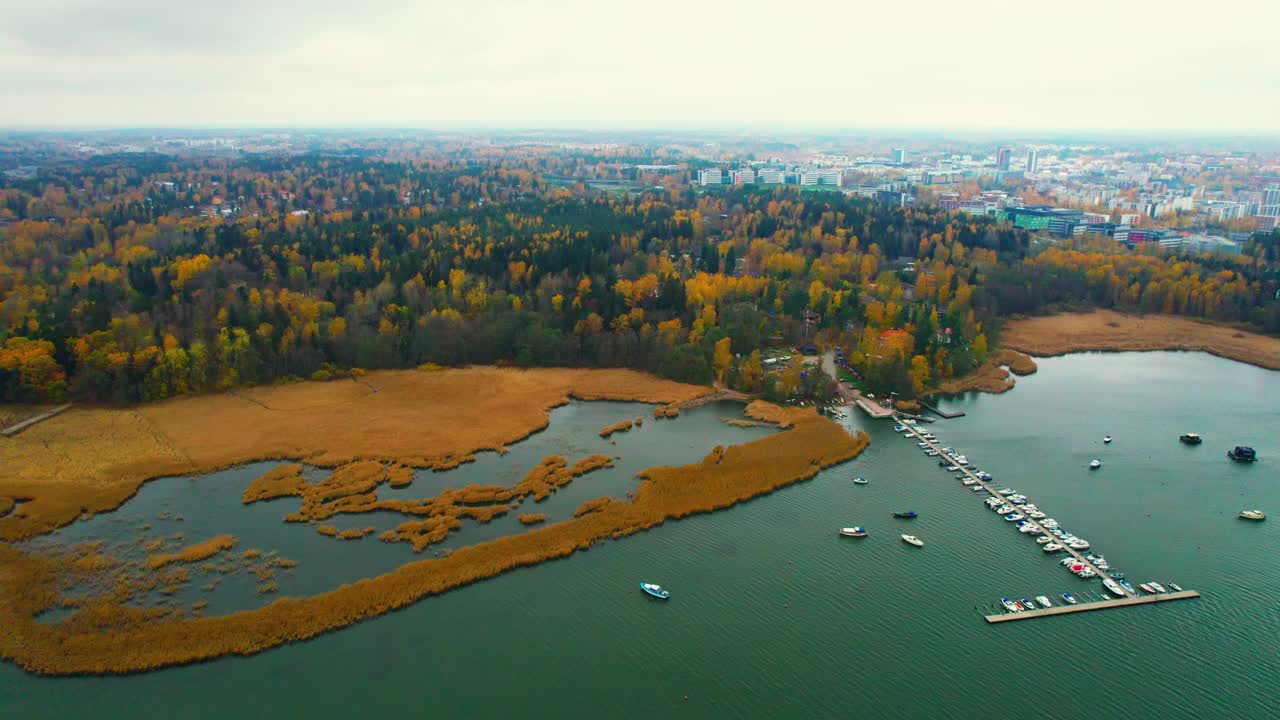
{"x": 135, "y": 277}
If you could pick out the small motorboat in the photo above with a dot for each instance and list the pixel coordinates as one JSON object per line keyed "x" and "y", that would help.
{"x": 853, "y": 532}
{"x": 899, "y": 428}
{"x": 1009, "y": 605}
{"x": 1035, "y": 514}
{"x": 906, "y": 514}
{"x": 1252, "y": 515}
{"x": 978, "y": 488}
{"x": 1013, "y": 517}
{"x": 1158, "y": 587}
{"x": 1125, "y": 584}
{"x": 1107, "y": 439}
{"x": 1044, "y": 540}
{"x": 912, "y": 540}
{"x": 1071, "y": 599}
{"x": 1052, "y": 547}
{"x": 1190, "y": 439}
{"x": 1028, "y": 604}
{"x": 1005, "y": 509}
{"x": 1146, "y": 588}
{"x": 1176, "y": 587}
{"x": 655, "y": 590}
{"x": 1086, "y": 574}
{"x": 1044, "y": 601}
{"x": 859, "y": 480}
{"x": 1242, "y": 453}
{"x": 1113, "y": 587}
{"x": 931, "y": 453}
{"x": 1095, "y": 464}
{"x": 952, "y": 468}
{"x": 923, "y": 445}
{"x": 1007, "y": 491}
{"x": 969, "y": 482}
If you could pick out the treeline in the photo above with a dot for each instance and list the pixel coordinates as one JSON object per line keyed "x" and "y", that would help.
{"x": 448, "y": 259}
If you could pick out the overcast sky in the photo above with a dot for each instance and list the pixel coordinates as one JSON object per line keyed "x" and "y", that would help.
{"x": 1088, "y": 64}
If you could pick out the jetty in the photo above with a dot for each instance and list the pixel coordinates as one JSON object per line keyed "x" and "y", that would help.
{"x": 1130, "y": 598}
{"x": 16, "y": 428}
{"x": 871, "y": 408}
{"x": 1087, "y": 607}
{"x": 940, "y": 413}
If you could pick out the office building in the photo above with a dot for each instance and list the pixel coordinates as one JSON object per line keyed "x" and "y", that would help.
{"x": 822, "y": 177}
{"x": 1033, "y": 160}
{"x": 744, "y": 177}
{"x": 710, "y": 177}
{"x": 770, "y": 176}
{"x": 900, "y": 156}
{"x": 1003, "y": 156}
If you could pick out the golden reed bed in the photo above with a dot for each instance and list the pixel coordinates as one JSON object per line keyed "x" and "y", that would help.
{"x": 1110, "y": 330}
{"x": 394, "y": 424}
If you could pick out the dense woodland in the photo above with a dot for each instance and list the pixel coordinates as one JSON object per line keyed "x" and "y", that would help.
{"x": 137, "y": 277}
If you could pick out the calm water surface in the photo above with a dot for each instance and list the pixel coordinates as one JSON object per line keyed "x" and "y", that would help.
{"x": 772, "y": 615}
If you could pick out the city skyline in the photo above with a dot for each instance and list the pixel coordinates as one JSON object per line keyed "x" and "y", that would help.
{"x": 918, "y": 66}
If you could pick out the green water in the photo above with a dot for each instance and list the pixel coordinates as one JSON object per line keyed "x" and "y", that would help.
{"x": 772, "y": 615}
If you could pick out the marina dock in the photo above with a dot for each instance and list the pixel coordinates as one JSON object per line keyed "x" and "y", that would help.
{"x": 871, "y": 408}
{"x": 1086, "y": 607}
{"x": 1130, "y": 598}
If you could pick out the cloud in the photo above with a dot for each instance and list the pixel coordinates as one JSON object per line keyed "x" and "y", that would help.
{"x": 913, "y": 63}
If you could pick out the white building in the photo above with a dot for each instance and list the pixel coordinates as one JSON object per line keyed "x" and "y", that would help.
{"x": 743, "y": 177}
{"x": 822, "y": 177}
{"x": 710, "y": 177}
{"x": 770, "y": 176}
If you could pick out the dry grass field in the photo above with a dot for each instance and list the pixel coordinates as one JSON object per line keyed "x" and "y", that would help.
{"x": 1109, "y": 330}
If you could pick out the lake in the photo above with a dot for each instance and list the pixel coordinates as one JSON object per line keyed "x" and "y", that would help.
{"x": 772, "y": 614}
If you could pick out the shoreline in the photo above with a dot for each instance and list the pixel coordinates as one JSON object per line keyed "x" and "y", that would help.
{"x": 1111, "y": 331}
{"x": 119, "y": 639}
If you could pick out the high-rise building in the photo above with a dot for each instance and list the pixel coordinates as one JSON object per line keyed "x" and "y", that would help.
{"x": 744, "y": 176}
{"x": 1003, "y": 155}
{"x": 1033, "y": 160}
{"x": 900, "y": 156}
{"x": 710, "y": 177}
{"x": 1271, "y": 195}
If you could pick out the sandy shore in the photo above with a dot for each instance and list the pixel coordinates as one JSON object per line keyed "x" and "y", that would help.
{"x": 1110, "y": 330}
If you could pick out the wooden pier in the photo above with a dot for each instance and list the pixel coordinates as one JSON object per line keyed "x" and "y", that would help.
{"x": 1129, "y": 598}
{"x": 939, "y": 413}
{"x": 16, "y": 428}
{"x": 1087, "y": 607}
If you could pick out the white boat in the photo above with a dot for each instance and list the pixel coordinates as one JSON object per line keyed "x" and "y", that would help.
{"x": 923, "y": 444}
{"x": 1013, "y": 517}
{"x": 1009, "y": 605}
{"x": 1044, "y": 539}
{"x": 1044, "y": 601}
{"x": 1007, "y": 491}
{"x": 970, "y": 482}
{"x": 1106, "y": 439}
{"x": 1052, "y": 547}
{"x": 1159, "y": 588}
{"x": 953, "y": 468}
{"x": 859, "y": 480}
{"x": 1113, "y": 587}
{"x": 1095, "y": 464}
{"x": 931, "y": 453}
{"x": 853, "y": 532}
{"x": 1079, "y": 545}
{"x": 1005, "y": 509}
{"x": 1034, "y": 514}
{"x": 1252, "y": 515}
{"x": 912, "y": 540}
{"x": 978, "y": 488}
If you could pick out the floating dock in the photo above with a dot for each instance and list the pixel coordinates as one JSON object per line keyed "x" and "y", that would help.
{"x": 1086, "y": 607}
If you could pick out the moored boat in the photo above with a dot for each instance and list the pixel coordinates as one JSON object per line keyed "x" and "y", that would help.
{"x": 1114, "y": 587}
{"x": 1125, "y": 584}
{"x": 906, "y": 514}
{"x": 1252, "y": 515}
{"x": 1044, "y": 540}
{"x": 1242, "y": 453}
{"x": 853, "y": 532}
{"x": 1158, "y": 587}
{"x": 655, "y": 590}
{"x": 913, "y": 540}
{"x": 1009, "y": 605}
{"x": 1052, "y": 547}
{"x": 1044, "y": 601}
{"x": 1071, "y": 599}
{"x": 1190, "y": 439}
{"x": 1175, "y": 587}
{"x": 1146, "y": 588}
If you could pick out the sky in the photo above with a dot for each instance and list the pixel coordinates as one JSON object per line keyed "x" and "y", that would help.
{"x": 980, "y": 64}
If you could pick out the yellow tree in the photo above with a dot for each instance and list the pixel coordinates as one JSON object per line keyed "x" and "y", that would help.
{"x": 722, "y": 358}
